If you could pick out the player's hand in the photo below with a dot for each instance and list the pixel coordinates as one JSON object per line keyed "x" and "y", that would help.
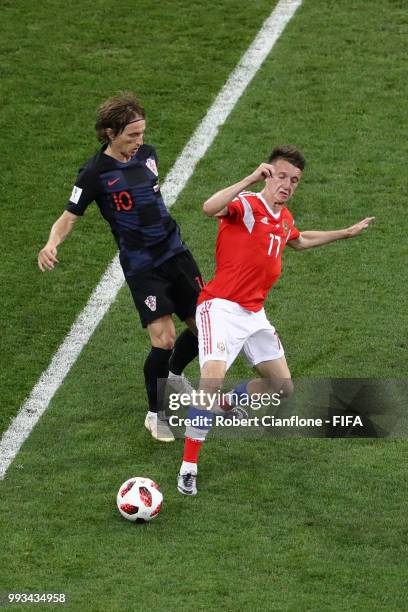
{"x": 263, "y": 172}
{"x": 356, "y": 229}
{"x": 47, "y": 258}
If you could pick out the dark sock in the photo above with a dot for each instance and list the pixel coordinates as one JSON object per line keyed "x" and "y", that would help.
{"x": 156, "y": 367}
{"x": 185, "y": 350}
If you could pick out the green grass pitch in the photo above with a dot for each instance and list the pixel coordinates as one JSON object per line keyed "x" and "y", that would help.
{"x": 286, "y": 525}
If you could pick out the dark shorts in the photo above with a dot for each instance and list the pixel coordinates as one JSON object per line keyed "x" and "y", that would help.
{"x": 172, "y": 287}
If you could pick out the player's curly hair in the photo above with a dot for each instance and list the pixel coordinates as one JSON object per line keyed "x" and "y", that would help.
{"x": 289, "y": 153}
{"x": 116, "y": 113}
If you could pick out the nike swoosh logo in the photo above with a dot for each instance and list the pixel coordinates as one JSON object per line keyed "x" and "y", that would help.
{"x": 113, "y": 181}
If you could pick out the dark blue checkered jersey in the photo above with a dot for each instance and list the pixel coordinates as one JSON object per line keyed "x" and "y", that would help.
{"x": 129, "y": 198}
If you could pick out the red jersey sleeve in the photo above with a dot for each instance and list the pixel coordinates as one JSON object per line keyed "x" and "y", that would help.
{"x": 235, "y": 209}
{"x": 294, "y": 233}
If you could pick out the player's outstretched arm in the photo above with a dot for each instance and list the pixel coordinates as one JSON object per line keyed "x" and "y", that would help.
{"x": 47, "y": 257}
{"x": 216, "y": 205}
{"x": 357, "y": 228}
{"x": 310, "y": 239}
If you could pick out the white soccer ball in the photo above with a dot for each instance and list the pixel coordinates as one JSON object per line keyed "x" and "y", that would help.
{"x": 139, "y": 499}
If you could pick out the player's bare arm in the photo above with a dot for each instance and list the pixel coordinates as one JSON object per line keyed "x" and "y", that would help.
{"x": 310, "y": 239}
{"x": 216, "y": 205}
{"x": 47, "y": 257}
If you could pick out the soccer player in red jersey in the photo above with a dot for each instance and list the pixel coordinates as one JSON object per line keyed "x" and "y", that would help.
{"x": 254, "y": 229}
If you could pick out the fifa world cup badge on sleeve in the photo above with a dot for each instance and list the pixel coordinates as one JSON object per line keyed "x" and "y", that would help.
{"x": 75, "y": 195}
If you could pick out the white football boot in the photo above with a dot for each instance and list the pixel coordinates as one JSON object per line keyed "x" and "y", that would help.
{"x": 187, "y": 483}
{"x": 158, "y": 427}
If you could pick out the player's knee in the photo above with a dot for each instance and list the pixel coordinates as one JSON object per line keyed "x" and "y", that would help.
{"x": 163, "y": 338}
{"x": 213, "y": 370}
{"x": 287, "y": 388}
{"x": 167, "y": 340}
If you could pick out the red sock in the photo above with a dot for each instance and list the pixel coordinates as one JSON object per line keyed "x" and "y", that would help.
{"x": 191, "y": 450}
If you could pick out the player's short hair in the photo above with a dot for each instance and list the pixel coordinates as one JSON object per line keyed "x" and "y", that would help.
{"x": 289, "y": 153}
{"x": 116, "y": 113}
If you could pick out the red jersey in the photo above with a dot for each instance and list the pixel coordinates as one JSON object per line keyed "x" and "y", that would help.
{"x": 249, "y": 248}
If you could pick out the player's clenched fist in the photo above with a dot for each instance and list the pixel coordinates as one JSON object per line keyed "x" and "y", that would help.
{"x": 263, "y": 172}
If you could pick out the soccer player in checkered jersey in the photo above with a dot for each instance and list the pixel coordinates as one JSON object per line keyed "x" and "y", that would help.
{"x": 254, "y": 229}
{"x": 122, "y": 178}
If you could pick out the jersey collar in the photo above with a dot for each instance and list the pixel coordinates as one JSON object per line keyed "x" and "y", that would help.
{"x": 268, "y": 208}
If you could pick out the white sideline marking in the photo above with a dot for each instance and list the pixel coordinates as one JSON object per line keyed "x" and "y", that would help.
{"x": 112, "y": 280}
